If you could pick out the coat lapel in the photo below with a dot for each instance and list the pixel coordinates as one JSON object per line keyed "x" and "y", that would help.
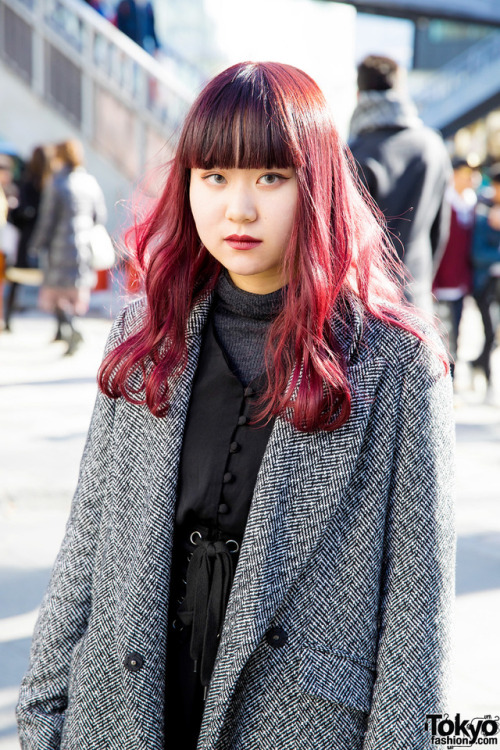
{"x": 303, "y": 477}
{"x": 148, "y": 452}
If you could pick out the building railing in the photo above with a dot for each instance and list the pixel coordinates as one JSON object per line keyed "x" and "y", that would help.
{"x": 122, "y": 100}
{"x": 462, "y": 81}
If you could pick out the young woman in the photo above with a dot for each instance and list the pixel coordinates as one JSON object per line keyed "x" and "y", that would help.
{"x": 260, "y": 551}
{"x": 24, "y": 216}
{"x": 72, "y": 203}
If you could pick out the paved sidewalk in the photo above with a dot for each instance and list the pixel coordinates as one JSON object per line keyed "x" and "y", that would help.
{"x": 45, "y": 406}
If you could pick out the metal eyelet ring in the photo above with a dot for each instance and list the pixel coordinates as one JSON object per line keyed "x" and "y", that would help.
{"x": 236, "y": 546}
{"x": 194, "y": 535}
{"x": 189, "y": 556}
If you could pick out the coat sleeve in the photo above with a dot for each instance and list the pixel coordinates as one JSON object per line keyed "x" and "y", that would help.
{"x": 100, "y": 210}
{"x": 419, "y": 565}
{"x": 46, "y": 221}
{"x": 65, "y": 609}
{"x": 440, "y": 228}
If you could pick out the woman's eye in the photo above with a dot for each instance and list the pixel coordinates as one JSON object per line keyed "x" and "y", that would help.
{"x": 215, "y": 179}
{"x": 270, "y": 179}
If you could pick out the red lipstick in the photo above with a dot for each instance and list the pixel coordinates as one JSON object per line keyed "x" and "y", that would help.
{"x": 242, "y": 241}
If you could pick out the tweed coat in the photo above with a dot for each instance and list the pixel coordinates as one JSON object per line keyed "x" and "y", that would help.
{"x": 348, "y": 550}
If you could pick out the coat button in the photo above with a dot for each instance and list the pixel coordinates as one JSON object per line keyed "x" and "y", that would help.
{"x": 242, "y": 420}
{"x": 234, "y": 447}
{"x": 276, "y": 637}
{"x": 228, "y": 477}
{"x": 248, "y": 391}
{"x": 223, "y": 509}
{"x": 133, "y": 662}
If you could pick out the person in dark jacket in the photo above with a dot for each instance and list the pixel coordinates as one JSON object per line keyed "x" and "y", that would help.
{"x": 25, "y": 214}
{"x": 486, "y": 267}
{"x": 136, "y": 19}
{"x": 453, "y": 277}
{"x": 405, "y": 167}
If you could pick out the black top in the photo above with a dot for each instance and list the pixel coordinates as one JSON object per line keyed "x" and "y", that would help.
{"x": 222, "y": 447}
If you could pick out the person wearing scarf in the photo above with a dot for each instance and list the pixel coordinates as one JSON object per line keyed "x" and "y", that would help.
{"x": 406, "y": 169}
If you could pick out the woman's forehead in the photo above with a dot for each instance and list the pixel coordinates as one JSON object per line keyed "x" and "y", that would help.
{"x": 245, "y": 139}
{"x": 256, "y": 170}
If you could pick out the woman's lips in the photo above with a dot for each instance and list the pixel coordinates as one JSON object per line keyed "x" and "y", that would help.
{"x": 242, "y": 241}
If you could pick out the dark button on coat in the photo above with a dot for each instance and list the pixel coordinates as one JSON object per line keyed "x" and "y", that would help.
{"x": 133, "y": 662}
{"x": 276, "y": 637}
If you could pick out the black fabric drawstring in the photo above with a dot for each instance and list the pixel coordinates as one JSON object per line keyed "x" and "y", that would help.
{"x": 208, "y": 584}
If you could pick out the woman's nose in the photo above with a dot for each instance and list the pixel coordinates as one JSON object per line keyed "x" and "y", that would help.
{"x": 240, "y": 206}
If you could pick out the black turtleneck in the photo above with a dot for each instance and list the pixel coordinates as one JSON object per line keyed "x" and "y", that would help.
{"x": 241, "y": 321}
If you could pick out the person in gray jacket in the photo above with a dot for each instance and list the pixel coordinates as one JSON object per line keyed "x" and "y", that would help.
{"x": 72, "y": 203}
{"x": 260, "y": 551}
{"x": 406, "y": 168}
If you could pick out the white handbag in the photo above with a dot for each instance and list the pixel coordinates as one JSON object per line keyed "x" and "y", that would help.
{"x": 103, "y": 254}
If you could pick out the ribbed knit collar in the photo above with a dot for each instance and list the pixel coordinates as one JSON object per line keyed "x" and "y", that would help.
{"x": 247, "y": 304}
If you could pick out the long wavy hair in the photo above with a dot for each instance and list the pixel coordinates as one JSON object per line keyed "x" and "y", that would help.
{"x": 251, "y": 116}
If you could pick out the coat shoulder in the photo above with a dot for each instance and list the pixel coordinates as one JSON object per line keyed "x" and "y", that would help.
{"x": 128, "y": 321}
{"x": 134, "y": 315}
{"x": 412, "y": 346}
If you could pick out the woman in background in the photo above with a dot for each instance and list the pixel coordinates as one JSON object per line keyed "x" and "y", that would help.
{"x": 453, "y": 278}
{"x": 72, "y": 203}
{"x": 24, "y": 216}
{"x": 260, "y": 551}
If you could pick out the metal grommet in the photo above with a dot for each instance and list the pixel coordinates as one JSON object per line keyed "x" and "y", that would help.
{"x": 180, "y": 600}
{"x": 189, "y": 557}
{"x": 178, "y": 628}
{"x": 194, "y": 535}
{"x": 236, "y": 546}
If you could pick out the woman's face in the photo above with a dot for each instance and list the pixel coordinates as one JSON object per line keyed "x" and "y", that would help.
{"x": 244, "y": 217}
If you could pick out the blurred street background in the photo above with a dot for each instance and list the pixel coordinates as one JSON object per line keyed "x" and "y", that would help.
{"x": 72, "y": 69}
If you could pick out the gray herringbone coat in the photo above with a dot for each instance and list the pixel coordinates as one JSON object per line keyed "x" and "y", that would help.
{"x": 349, "y": 548}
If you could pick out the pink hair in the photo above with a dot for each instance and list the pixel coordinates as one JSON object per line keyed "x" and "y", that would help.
{"x": 267, "y": 115}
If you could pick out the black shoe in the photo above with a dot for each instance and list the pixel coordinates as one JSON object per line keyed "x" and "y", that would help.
{"x": 482, "y": 363}
{"x": 75, "y": 340}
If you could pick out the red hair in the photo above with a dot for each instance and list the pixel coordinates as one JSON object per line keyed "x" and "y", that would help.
{"x": 256, "y": 115}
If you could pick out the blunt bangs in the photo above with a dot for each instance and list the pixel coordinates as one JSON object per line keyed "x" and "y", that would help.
{"x": 240, "y": 125}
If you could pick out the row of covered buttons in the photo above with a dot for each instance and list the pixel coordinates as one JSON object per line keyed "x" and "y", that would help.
{"x": 276, "y": 637}
{"x": 234, "y": 447}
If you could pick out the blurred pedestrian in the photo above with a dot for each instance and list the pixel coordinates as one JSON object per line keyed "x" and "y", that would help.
{"x": 8, "y": 235}
{"x": 453, "y": 278}
{"x": 260, "y": 552}
{"x": 72, "y": 203}
{"x": 136, "y": 19}
{"x": 24, "y": 216}
{"x": 406, "y": 169}
{"x": 486, "y": 265}
{"x": 4, "y": 208}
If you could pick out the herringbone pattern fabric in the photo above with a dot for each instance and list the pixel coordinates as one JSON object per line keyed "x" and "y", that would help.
{"x": 349, "y": 549}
